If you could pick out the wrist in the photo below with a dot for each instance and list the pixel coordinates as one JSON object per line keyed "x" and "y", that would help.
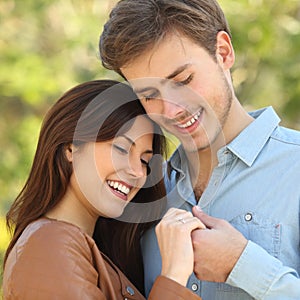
{"x": 176, "y": 276}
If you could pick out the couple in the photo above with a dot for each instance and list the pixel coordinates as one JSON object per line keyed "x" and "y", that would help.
{"x": 92, "y": 161}
{"x": 241, "y": 169}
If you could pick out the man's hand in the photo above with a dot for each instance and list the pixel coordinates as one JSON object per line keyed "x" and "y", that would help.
{"x": 216, "y": 249}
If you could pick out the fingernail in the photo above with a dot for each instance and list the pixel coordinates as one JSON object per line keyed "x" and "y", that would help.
{"x": 198, "y": 208}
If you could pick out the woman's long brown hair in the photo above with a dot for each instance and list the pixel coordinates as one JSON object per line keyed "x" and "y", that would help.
{"x": 104, "y": 106}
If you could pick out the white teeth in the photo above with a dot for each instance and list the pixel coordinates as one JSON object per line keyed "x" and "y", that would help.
{"x": 191, "y": 121}
{"x": 125, "y": 190}
{"x": 118, "y": 186}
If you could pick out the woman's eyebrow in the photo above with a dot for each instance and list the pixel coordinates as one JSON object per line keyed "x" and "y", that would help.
{"x": 133, "y": 143}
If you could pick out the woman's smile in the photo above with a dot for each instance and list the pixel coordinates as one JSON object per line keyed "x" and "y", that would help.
{"x": 119, "y": 188}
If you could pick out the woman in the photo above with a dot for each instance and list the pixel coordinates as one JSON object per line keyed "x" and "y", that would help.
{"x": 93, "y": 158}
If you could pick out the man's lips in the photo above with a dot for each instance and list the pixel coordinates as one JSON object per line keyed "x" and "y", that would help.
{"x": 190, "y": 123}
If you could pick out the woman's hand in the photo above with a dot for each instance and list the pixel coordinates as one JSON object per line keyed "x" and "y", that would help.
{"x": 175, "y": 243}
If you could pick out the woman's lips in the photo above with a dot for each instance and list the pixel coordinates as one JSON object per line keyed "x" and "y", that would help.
{"x": 120, "y": 189}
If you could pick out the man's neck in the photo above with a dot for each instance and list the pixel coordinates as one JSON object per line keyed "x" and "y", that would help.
{"x": 203, "y": 162}
{"x": 201, "y": 165}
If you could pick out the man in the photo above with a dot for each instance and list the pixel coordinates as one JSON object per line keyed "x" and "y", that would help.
{"x": 240, "y": 170}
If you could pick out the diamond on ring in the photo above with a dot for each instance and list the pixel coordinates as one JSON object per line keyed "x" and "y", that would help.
{"x": 181, "y": 220}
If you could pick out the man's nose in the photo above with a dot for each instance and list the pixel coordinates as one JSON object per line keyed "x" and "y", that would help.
{"x": 173, "y": 99}
{"x": 171, "y": 110}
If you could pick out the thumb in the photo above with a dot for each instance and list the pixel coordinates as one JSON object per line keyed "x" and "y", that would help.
{"x": 207, "y": 220}
{"x": 197, "y": 211}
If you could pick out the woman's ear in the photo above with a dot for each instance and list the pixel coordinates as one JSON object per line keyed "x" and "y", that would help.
{"x": 224, "y": 52}
{"x": 69, "y": 150}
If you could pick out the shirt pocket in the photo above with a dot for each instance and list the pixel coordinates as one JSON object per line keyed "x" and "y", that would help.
{"x": 228, "y": 292}
{"x": 261, "y": 230}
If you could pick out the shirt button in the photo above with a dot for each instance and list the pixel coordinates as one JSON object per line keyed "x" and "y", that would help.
{"x": 194, "y": 287}
{"x": 248, "y": 217}
{"x": 130, "y": 290}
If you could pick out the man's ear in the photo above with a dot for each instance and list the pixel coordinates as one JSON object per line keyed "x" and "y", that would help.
{"x": 224, "y": 50}
{"x": 69, "y": 150}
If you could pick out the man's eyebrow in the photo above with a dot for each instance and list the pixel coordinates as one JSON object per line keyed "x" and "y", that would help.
{"x": 172, "y": 75}
{"x": 133, "y": 143}
{"x": 178, "y": 71}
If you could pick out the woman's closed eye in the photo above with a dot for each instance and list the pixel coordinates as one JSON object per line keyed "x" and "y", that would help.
{"x": 144, "y": 162}
{"x": 146, "y": 165}
{"x": 120, "y": 149}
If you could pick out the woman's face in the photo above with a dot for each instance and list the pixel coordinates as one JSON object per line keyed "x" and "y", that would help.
{"x": 107, "y": 175}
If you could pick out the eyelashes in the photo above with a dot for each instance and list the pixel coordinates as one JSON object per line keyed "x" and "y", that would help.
{"x": 184, "y": 82}
{"x": 123, "y": 151}
{"x": 156, "y": 94}
{"x": 120, "y": 149}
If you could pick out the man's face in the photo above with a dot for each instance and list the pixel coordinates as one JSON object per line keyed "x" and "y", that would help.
{"x": 184, "y": 90}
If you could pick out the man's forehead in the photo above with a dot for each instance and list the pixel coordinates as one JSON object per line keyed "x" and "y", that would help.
{"x": 161, "y": 60}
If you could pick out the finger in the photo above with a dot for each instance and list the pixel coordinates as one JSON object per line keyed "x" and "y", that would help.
{"x": 194, "y": 223}
{"x": 197, "y": 211}
{"x": 187, "y": 223}
{"x": 183, "y": 215}
{"x": 174, "y": 217}
{"x": 174, "y": 211}
{"x": 177, "y": 214}
{"x": 189, "y": 226}
{"x": 209, "y": 221}
{"x": 181, "y": 218}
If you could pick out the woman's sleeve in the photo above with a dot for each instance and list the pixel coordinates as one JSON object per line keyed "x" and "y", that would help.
{"x": 167, "y": 289}
{"x": 53, "y": 263}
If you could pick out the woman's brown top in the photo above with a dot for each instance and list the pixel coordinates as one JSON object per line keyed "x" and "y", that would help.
{"x": 57, "y": 260}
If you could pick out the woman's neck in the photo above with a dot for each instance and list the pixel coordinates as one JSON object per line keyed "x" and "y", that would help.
{"x": 71, "y": 210}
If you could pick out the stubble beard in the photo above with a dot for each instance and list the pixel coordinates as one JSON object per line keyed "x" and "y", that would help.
{"x": 221, "y": 113}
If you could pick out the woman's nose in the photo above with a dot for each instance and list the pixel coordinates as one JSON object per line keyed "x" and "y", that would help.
{"x": 136, "y": 168}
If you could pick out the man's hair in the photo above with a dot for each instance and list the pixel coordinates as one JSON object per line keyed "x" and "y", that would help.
{"x": 135, "y": 26}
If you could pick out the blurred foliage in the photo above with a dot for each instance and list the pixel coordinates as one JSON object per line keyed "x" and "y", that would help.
{"x": 4, "y": 240}
{"x": 48, "y": 46}
{"x": 266, "y": 37}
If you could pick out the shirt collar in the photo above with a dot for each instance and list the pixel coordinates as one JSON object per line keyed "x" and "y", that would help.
{"x": 246, "y": 146}
{"x": 178, "y": 160}
{"x": 249, "y": 143}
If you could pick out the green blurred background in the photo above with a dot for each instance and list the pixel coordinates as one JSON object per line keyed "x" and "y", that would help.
{"x": 48, "y": 46}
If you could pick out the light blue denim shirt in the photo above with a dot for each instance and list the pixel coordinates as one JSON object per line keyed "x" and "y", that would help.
{"x": 256, "y": 187}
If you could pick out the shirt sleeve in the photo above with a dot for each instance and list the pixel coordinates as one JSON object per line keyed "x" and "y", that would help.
{"x": 53, "y": 263}
{"x": 167, "y": 289}
{"x": 263, "y": 276}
